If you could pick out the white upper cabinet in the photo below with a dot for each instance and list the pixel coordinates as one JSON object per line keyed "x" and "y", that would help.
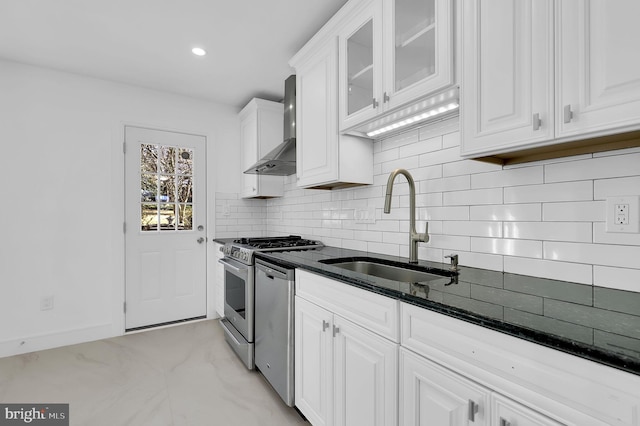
{"x": 542, "y": 72}
{"x": 598, "y": 87}
{"x": 391, "y": 54}
{"x": 324, "y": 158}
{"x": 507, "y": 80}
{"x": 261, "y": 130}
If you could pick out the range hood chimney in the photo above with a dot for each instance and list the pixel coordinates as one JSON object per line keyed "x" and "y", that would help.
{"x": 281, "y": 161}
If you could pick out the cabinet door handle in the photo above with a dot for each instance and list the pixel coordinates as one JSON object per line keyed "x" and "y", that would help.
{"x": 325, "y": 325}
{"x": 375, "y": 103}
{"x": 385, "y": 98}
{"x": 568, "y": 114}
{"x": 473, "y": 410}
{"x": 504, "y": 422}
{"x": 536, "y": 122}
{"x": 336, "y": 330}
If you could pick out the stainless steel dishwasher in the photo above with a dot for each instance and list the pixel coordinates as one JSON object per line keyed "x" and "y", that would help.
{"x": 274, "y": 319}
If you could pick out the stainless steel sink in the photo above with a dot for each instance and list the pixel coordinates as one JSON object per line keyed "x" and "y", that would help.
{"x": 389, "y": 270}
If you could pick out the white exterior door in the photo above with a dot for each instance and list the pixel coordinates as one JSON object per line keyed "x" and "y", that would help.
{"x": 165, "y": 203}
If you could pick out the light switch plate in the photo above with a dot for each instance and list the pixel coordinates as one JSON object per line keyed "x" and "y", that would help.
{"x": 623, "y": 215}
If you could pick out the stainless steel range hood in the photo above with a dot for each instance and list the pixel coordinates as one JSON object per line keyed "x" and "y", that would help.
{"x": 281, "y": 161}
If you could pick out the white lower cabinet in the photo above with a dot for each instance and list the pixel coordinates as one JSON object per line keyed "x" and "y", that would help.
{"x": 433, "y": 395}
{"x": 345, "y": 375}
{"x": 366, "y": 359}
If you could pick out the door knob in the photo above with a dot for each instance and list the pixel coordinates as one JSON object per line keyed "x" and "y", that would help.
{"x": 200, "y": 228}
{"x": 200, "y": 240}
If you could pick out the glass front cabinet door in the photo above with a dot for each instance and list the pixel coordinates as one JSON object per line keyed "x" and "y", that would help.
{"x": 393, "y": 53}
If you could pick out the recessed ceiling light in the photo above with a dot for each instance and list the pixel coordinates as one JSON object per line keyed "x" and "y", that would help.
{"x": 199, "y": 51}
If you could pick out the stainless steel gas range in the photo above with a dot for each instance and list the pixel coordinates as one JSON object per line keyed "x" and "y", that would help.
{"x": 239, "y": 285}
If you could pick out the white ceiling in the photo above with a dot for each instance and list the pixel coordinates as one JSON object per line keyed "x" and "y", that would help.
{"x": 148, "y": 42}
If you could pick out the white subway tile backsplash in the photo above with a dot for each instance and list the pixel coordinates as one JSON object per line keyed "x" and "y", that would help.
{"x": 388, "y": 155}
{"x": 473, "y": 197}
{"x": 443, "y": 213}
{"x": 399, "y": 140}
{"x": 455, "y": 183}
{"x": 616, "y": 186}
{"x": 544, "y": 218}
{"x": 601, "y": 236}
{"x": 466, "y": 167}
{"x": 507, "y": 212}
{"x": 384, "y": 248}
{"x": 593, "y": 254}
{"x": 594, "y": 168}
{"x": 507, "y": 247}
{"x": 472, "y": 228}
{"x": 618, "y": 278}
{"x": 504, "y": 178}
{"x": 481, "y": 260}
{"x": 450, "y": 242}
{"x": 549, "y": 231}
{"x": 354, "y": 245}
{"x": 564, "y": 271}
{"x": 572, "y": 191}
{"x": 402, "y": 163}
{"x": 580, "y": 211}
{"x": 439, "y": 157}
{"x": 423, "y": 174}
{"x": 451, "y": 139}
{"x": 420, "y": 147}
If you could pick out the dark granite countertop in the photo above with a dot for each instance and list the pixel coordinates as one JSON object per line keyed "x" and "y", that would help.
{"x": 596, "y": 323}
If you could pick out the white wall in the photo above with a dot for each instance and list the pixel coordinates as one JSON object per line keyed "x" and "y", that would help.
{"x": 61, "y": 221}
{"x": 544, "y": 219}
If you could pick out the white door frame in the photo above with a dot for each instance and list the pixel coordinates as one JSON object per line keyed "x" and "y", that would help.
{"x": 119, "y": 215}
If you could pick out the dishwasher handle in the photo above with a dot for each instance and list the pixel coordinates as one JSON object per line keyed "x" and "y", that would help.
{"x": 271, "y": 272}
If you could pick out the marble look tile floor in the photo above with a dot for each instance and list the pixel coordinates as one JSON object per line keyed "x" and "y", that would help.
{"x": 181, "y": 375}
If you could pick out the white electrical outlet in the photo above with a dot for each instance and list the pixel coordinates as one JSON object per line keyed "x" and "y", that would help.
{"x": 623, "y": 214}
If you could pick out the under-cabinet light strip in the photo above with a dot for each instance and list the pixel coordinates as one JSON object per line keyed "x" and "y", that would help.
{"x": 418, "y": 117}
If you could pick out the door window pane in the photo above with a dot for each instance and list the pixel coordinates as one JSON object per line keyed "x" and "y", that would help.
{"x": 185, "y": 189}
{"x": 167, "y": 217}
{"x": 166, "y": 188}
{"x": 185, "y": 217}
{"x": 185, "y": 161}
{"x": 167, "y": 159}
{"x": 149, "y": 217}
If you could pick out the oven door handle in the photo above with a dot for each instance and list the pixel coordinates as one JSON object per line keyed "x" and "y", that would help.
{"x": 230, "y": 266}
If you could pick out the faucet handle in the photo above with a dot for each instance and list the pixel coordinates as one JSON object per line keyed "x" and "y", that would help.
{"x": 423, "y": 237}
{"x": 454, "y": 261}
